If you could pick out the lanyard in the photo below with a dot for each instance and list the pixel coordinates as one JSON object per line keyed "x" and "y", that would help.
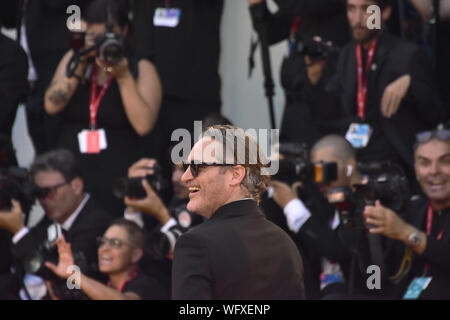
{"x": 363, "y": 77}
{"x": 167, "y": 2}
{"x": 429, "y": 226}
{"x": 294, "y": 28}
{"x": 130, "y": 278}
{"x": 95, "y": 99}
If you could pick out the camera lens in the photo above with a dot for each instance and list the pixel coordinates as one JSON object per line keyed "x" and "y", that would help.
{"x": 112, "y": 53}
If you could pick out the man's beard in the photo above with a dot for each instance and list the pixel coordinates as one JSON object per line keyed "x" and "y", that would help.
{"x": 367, "y": 37}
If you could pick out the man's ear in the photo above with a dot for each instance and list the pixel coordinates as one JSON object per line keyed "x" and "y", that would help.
{"x": 386, "y": 14}
{"x": 238, "y": 174}
{"x": 136, "y": 255}
{"x": 77, "y": 185}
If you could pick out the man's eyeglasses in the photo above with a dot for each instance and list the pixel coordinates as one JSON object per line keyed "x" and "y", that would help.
{"x": 43, "y": 192}
{"x": 113, "y": 242}
{"x": 195, "y": 167}
{"x": 440, "y": 134}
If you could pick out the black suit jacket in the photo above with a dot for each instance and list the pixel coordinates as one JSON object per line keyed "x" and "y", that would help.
{"x": 13, "y": 80}
{"x": 436, "y": 254}
{"x": 420, "y": 110}
{"x": 237, "y": 254}
{"x": 90, "y": 223}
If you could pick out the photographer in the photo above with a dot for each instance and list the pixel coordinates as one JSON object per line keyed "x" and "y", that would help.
{"x": 164, "y": 223}
{"x": 314, "y": 30}
{"x": 424, "y": 234}
{"x": 119, "y": 251}
{"x": 61, "y": 193}
{"x": 110, "y": 103}
{"x": 331, "y": 239}
{"x": 175, "y": 214}
{"x": 385, "y": 88}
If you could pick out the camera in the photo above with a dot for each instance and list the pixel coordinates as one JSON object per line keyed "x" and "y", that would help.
{"x": 161, "y": 243}
{"x": 385, "y": 182}
{"x": 15, "y": 184}
{"x": 48, "y": 251}
{"x": 110, "y": 47}
{"x": 315, "y": 49}
{"x": 132, "y": 187}
{"x": 296, "y": 166}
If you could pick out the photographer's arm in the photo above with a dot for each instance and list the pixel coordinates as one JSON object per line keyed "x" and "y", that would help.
{"x": 306, "y": 226}
{"x": 151, "y": 204}
{"x": 62, "y": 88}
{"x": 141, "y": 97}
{"x": 386, "y": 222}
{"x": 94, "y": 289}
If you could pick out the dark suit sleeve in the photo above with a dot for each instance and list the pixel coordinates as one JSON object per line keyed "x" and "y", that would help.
{"x": 29, "y": 243}
{"x": 13, "y": 80}
{"x": 437, "y": 253}
{"x": 423, "y": 91}
{"x": 191, "y": 275}
{"x": 325, "y": 240}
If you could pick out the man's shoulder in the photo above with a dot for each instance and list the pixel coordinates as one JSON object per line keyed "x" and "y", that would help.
{"x": 92, "y": 215}
{"x": 396, "y": 44}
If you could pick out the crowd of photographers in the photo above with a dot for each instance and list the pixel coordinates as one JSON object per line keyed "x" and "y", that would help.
{"x": 363, "y": 186}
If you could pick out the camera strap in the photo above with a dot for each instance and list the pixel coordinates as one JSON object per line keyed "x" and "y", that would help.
{"x": 363, "y": 76}
{"x": 429, "y": 226}
{"x": 130, "y": 278}
{"x": 294, "y": 28}
{"x": 96, "y": 98}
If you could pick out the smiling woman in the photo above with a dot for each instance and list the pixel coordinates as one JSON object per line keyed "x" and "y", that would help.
{"x": 120, "y": 250}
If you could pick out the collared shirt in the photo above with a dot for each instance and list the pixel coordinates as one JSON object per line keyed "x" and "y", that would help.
{"x": 66, "y": 225}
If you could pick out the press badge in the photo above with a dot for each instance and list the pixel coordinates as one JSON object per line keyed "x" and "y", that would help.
{"x": 358, "y": 135}
{"x": 167, "y": 17}
{"x": 92, "y": 141}
{"x": 416, "y": 287}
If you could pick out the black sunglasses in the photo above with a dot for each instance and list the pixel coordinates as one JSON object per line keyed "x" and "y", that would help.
{"x": 195, "y": 166}
{"x": 43, "y": 192}
{"x": 440, "y": 134}
{"x": 113, "y": 242}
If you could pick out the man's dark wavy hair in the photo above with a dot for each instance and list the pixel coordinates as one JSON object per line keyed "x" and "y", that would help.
{"x": 62, "y": 161}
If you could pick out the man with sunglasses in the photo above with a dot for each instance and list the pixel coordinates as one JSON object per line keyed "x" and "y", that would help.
{"x": 425, "y": 234}
{"x": 236, "y": 254}
{"x": 60, "y": 190}
{"x": 119, "y": 251}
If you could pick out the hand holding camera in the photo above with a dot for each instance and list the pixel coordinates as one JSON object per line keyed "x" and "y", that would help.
{"x": 142, "y": 175}
{"x": 12, "y": 220}
{"x": 283, "y": 193}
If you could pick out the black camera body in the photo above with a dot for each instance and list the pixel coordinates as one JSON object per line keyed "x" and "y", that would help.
{"x": 110, "y": 47}
{"x": 315, "y": 49}
{"x": 161, "y": 243}
{"x": 47, "y": 251}
{"x": 382, "y": 181}
{"x": 132, "y": 187}
{"x": 296, "y": 166}
{"x": 15, "y": 184}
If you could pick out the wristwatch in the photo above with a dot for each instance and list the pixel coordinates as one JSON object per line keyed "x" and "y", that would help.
{"x": 414, "y": 239}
